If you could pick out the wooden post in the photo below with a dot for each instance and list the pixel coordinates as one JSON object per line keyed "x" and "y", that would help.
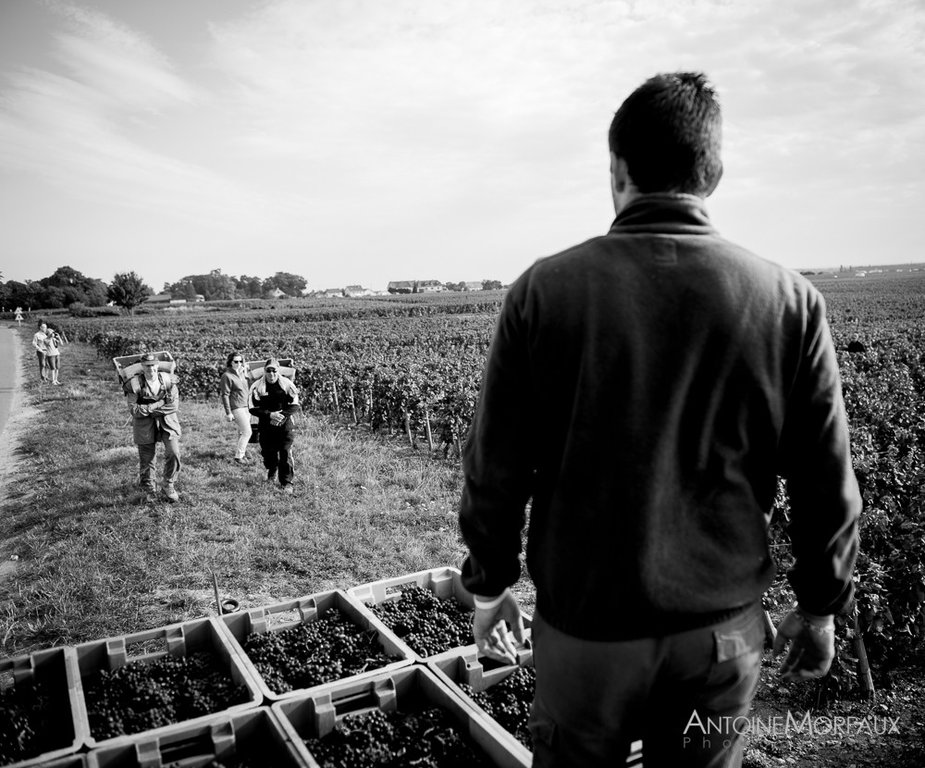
{"x": 336, "y": 401}
{"x": 408, "y": 430}
{"x": 865, "y": 680}
{"x": 430, "y": 436}
{"x": 769, "y": 630}
{"x": 353, "y": 406}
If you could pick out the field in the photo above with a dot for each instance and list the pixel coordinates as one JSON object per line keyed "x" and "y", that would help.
{"x": 389, "y": 386}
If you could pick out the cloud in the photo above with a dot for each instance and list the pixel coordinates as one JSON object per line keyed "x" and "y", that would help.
{"x": 89, "y": 131}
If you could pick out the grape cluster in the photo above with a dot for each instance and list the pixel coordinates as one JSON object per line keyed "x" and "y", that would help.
{"x": 140, "y": 696}
{"x": 329, "y": 648}
{"x": 509, "y": 702}
{"x": 30, "y": 721}
{"x": 427, "y": 623}
{"x": 424, "y": 739}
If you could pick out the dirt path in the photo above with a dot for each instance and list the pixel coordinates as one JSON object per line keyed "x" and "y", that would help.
{"x": 14, "y": 415}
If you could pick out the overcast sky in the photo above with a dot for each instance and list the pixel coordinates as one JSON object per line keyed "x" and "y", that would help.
{"x": 362, "y": 141}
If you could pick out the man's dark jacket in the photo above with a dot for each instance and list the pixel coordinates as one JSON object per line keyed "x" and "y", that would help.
{"x": 646, "y": 389}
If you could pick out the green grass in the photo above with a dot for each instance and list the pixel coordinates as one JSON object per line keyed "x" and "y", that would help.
{"x": 94, "y": 561}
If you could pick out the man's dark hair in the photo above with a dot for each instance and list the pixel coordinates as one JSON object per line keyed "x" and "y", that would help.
{"x": 669, "y": 132}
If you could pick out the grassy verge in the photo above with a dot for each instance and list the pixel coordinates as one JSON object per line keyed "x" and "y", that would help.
{"x": 94, "y": 561}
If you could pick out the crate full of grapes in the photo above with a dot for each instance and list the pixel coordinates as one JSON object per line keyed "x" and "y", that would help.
{"x": 501, "y": 693}
{"x": 403, "y": 717}
{"x": 504, "y": 695}
{"x": 429, "y": 612}
{"x": 295, "y": 646}
{"x": 39, "y": 707}
{"x": 149, "y": 681}
{"x": 250, "y": 739}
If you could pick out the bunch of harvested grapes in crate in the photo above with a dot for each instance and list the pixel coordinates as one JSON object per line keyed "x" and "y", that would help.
{"x": 426, "y": 623}
{"x": 328, "y": 648}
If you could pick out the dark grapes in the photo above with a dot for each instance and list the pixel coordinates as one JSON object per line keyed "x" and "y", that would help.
{"x": 509, "y": 702}
{"x": 329, "y": 648}
{"x": 141, "y": 696}
{"x": 30, "y": 720}
{"x": 424, "y": 739}
{"x": 426, "y": 623}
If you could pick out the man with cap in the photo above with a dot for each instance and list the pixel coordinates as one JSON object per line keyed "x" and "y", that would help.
{"x": 274, "y": 399}
{"x": 153, "y": 401}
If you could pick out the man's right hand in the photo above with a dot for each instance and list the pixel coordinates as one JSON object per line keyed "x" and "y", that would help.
{"x": 490, "y": 628}
{"x": 812, "y": 645}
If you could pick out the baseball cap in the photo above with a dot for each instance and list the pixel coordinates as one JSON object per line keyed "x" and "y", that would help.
{"x": 148, "y": 358}
{"x": 271, "y": 363}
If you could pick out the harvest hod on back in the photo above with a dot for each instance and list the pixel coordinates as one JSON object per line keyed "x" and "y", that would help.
{"x": 153, "y": 401}
{"x": 679, "y": 375}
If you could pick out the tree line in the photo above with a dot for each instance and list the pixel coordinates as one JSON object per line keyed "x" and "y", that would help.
{"x": 68, "y": 288}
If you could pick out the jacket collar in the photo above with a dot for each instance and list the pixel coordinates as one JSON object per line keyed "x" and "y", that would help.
{"x": 665, "y": 213}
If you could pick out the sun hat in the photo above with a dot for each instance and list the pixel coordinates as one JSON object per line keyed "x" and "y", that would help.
{"x": 148, "y": 358}
{"x": 271, "y": 363}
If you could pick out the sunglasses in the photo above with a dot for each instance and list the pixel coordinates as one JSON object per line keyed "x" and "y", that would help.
{"x": 270, "y": 370}
{"x": 237, "y": 361}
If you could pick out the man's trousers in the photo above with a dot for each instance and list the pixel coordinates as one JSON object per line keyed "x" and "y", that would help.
{"x": 276, "y": 449}
{"x": 685, "y": 695}
{"x": 146, "y": 455}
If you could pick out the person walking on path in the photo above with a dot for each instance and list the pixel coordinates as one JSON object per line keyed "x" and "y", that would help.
{"x": 274, "y": 400}
{"x": 53, "y": 343}
{"x": 233, "y": 391}
{"x": 646, "y": 389}
{"x": 153, "y": 401}
{"x": 39, "y": 342}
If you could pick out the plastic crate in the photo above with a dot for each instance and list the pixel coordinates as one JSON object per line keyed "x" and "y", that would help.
{"x": 254, "y": 368}
{"x": 444, "y": 582}
{"x": 281, "y": 616}
{"x": 481, "y": 676}
{"x": 406, "y": 690}
{"x": 129, "y": 365}
{"x": 74, "y": 761}
{"x": 56, "y": 669}
{"x": 186, "y": 638}
{"x": 256, "y": 734}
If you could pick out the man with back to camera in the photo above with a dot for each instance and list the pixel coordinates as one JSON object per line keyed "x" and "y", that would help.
{"x": 646, "y": 388}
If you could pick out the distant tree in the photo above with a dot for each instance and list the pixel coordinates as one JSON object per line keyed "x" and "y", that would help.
{"x": 74, "y": 286}
{"x": 128, "y": 290}
{"x": 291, "y": 285}
{"x": 248, "y": 287}
{"x": 491, "y": 285}
{"x": 211, "y": 287}
{"x": 461, "y": 286}
{"x": 16, "y": 294}
{"x": 182, "y": 289}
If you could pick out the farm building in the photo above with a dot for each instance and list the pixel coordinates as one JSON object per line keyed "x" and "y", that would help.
{"x": 352, "y": 291}
{"x": 429, "y": 286}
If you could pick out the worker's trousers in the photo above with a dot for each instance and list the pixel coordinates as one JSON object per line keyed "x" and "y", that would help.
{"x": 684, "y": 695}
{"x": 146, "y": 455}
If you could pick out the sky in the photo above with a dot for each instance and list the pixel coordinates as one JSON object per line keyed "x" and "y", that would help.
{"x": 362, "y": 141}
